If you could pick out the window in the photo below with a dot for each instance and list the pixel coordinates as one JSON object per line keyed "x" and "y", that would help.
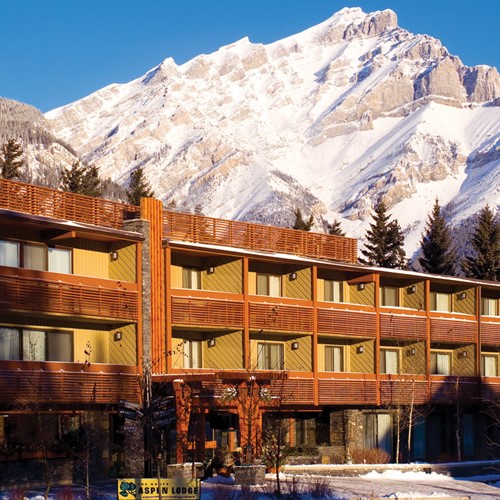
{"x": 378, "y": 431}
{"x": 389, "y": 296}
{"x": 192, "y": 354}
{"x": 489, "y": 365}
{"x": 35, "y": 345}
{"x": 440, "y": 363}
{"x": 269, "y": 284}
{"x": 59, "y": 260}
{"x": 9, "y": 253}
{"x": 490, "y": 307}
{"x": 270, "y": 356}
{"x": 191, "y": 278}
{"x": 334, "y": 358}
{"x": 440, "y": 301}
{"x": 41, "y": 258}
{"x": 389, "y": 361}
{"x": 334, "y": 291}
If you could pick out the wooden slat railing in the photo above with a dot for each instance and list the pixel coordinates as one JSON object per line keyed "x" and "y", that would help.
{"x": 403, "y": 389}
{"x": 292, "y": 391}
{"x": 256, "y": 237}
{"x": 394, "y": 326}
{"x": 358, "y": 389}
{"x": 206, "y": 312}
{"x": 453, "y": 330}
{"x": 281, "y": 317}
{"x": 38, "y": 200}
{"x": 18, "y": 293}
{"x": 342, "y": 322}
{"x": 447, "y": 389}
{"x": 490, "y": 332}
{"x": 66, "y": 384}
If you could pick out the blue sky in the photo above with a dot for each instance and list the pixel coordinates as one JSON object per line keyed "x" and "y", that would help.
{"x": 54, "y": 52}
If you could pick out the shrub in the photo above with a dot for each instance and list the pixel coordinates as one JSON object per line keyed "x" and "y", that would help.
{"x": 369, "y": 456}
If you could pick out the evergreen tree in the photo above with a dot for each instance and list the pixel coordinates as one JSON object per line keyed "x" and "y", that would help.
{"x": 438, "y": 253}
{"x": 384, "y": 241}
{"x": 81, "y": 180}
{"x": 300, "y": 224}
{"x": 11, "y": 162}
{"x": 485, "y": 263}
{"x": 335, "y": 228}
{"x": 138, "y": 187}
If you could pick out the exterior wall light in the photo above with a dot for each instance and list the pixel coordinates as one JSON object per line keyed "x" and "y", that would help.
{"x": 462, "y": 354}
{"x": 361, "y": 286}
{"x": 117, "y": 336}
{"x": 461, "y": 295}
{"x": 295, "y": 346}
{"x": 360, "y": 349}
{"x": 411, "y": 289}
{"x": 292, "y": 276}
{"x": 114, "y": 255}
{"x": 412, "y": 351}
{"x": 211, "y": 343}
{"x": 211, "y": 270}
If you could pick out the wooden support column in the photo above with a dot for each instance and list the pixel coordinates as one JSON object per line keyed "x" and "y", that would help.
{"x": 314, "y": 295}
{"x": 428, "y": 336}
{"x": 377, "y": 333}
{"x": 247, "y": 361}
{"x": 168, "y": 307}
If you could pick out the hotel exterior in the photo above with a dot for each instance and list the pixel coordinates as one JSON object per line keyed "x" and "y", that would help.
{"x": 214, "y": 328}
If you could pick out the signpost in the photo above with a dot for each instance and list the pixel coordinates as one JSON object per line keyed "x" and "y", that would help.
{"x": 152, "y": 489}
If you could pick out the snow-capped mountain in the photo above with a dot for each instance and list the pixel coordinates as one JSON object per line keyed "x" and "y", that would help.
{"x": 327, "y": 120}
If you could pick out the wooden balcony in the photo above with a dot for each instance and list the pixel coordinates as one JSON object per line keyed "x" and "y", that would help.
{"x": 347, "y": 322}
{"x": 348, "y": 388}
{"x": 449, "y": 389}
{"x": 293, "y": 391}
{"x": 281, "y": 317}
{"x": 37, "y": 200}
{"x": 256, "y": 237}
{"x": 403, "y": 327}
{"x": 453, "y": 330}
{"x": 34, "y": 295}
{"x": 193, "y": 311}
{"x": 26, "y": 384}
{"x": 403, "y": 389}
{"x": 490, "y": 331}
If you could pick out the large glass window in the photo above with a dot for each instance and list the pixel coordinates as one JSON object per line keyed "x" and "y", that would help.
{"x": 440, "y": 301}
{"x": 489, "y": 365}
{"x": 389, "y": 361}
{"x": 269, "y": 284}
{"x": 9, "y": 253}
{"x": 334, "y": 291}
{"x": 192, "y": 354}
{"x": 489, "y": 307}
{"x": 59, "y": 260}
{"x": 389, "y": 296}
{"x": 9, "y": 343}
{"x": 35, "y": 257}
{"x": 34, "y": 345}
{"x": 191, "y": 278}
{"x": 440, "y": 363}
{"x": 270, "y": 356}
{"x": 334, "y": 358}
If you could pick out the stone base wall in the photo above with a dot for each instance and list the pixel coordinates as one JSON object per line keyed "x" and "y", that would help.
{"x": 250, "y": 474}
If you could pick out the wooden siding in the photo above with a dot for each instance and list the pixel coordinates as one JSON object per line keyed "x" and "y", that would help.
{"x": 299, "y": 360}
{"x": 448, "y": 330}
{"x": 464, "y": 366}
{"x": 394, "y": 326}
{"x": 299, "y": 288}
{"x": 255, "y": 237}
{"x": 466, "y": 305}
{"x": 123, "y": 352}
{"x": 413, "y": 363}
{"x": 293, "y": 391}
{"x": 362, "y": 362}
{"x": 413, "y": 300}
{"x": 280, "y": 317}
{"x": 90, "y": 258}
{"x": 227, "y": 277}
{"x": 348, "y": 391}
{"x": 346, "y": 322}
{"x": 32, "y": 295}
{"x": 490, "y": 332}
{"x": 364, "y": 297}
{"x": 125, "y": 267}
{"x": 65, "y": 383}
{"x": 37, "y": 200}
{"x": 192, "y": 311}
{"x": 227, "y": 354}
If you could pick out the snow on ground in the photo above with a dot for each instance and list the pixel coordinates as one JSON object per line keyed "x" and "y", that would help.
{"x": 391, "y": 484}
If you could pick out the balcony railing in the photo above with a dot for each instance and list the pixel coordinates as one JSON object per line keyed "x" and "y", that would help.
{"x": 24, "y": 294}
{"x": 206, "y": 312}
{"x": 24, "y": 384}
{"x": 256, "y": 237}
{"x": 42, "y": 201}
{"x": 403, "y": 327}
{"x": 453, "y": 330}
{"x": 403, "y": 389}
{"x": 280, "y": 317}
{"x": 356, "y": 389}
{"x": 343, "y": 322}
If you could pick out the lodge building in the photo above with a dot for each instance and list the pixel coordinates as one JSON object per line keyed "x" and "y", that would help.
{"x": 227, "y": 325}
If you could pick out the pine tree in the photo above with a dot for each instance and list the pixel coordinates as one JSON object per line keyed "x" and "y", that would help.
{"x": 11, "y": 162}
{"x": 81, "y": 180}
{"x": 384, "y": 241}
{"x": 485, "y": 263}
{"x": 438, "y": 254}
{"x": 138, "y": 187}
{"x": 300, "y": 224}
{"x": 335, "y": 228}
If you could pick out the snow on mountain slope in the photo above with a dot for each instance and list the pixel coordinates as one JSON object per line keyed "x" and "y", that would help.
{"x": 328, "y": 120}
